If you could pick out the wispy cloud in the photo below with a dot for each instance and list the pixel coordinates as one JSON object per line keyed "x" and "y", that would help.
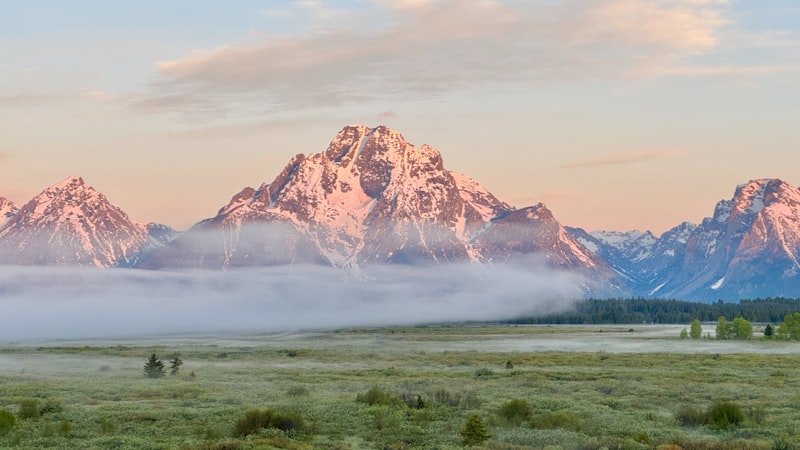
{"x": 423, "y": 48}
{"x": 96, "y": 94}
{"x": 15, "y": 100}
{"x": 616, "y": 159}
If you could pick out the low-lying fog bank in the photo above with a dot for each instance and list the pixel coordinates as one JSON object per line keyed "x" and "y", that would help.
{"x": 46, "y": 303}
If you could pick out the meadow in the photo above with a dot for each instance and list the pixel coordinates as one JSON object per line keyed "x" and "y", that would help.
{"x": 533, "y": 387}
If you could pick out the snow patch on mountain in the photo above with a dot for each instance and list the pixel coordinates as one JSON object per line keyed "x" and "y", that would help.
{"x": 8, "y": 209}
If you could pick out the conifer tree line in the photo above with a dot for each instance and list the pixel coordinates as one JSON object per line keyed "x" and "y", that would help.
{"x": 659, "y": 311}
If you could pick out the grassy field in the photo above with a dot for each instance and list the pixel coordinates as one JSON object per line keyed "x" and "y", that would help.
{"x": 586, "y": 388}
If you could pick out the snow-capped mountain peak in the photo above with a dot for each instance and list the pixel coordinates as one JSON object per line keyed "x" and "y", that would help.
{"x": 70, "y": 223}
{"x": 372, "y": 197}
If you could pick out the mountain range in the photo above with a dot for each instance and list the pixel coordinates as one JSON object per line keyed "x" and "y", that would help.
{"x": 373, "y": 198}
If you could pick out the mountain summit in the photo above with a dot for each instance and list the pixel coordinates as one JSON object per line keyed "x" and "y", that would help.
{"x": 372, "y": 197}
{"x": 749, "y": 248}
{"x": 70, "y": 223}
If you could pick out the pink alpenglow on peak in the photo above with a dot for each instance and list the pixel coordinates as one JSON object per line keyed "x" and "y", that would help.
{"x": 372, "y": 198}
{"x": 71, "y": 223}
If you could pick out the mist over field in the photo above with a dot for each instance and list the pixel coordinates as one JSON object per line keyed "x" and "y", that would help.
{"x": 68, "y": 303}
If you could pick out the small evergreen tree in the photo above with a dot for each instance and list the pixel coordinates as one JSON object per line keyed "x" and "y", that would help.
{"x": 695, "y": 330}
{"x": 769, "y": 331}
{"x": 175, "y": 365}
{"x": 684, "y": 333}
{"x": 154, "y": 367}
{"x": 474, "y": 431}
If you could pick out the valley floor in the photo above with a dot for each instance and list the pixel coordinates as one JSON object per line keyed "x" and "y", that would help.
{"x": 588, "y": 387}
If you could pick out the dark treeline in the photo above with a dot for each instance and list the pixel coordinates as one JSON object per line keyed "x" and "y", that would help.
{"x": 642, "y": 310}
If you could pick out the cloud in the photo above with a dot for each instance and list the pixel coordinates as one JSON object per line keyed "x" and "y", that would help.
{"x": 620, "y": 159}
{"x": 96, "y": 94}
{"x": 63, "y": 303}
{"x": 15, "y": 100}
{"x": 423, "y": 48}
{"x": 386, "y": 115}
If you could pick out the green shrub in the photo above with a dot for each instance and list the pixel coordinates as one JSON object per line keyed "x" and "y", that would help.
{"x": 51, "y": 406}
{"x": 28, "y": 408}
{"x": 483, "y": 372}
{"x": 516, "y": 411}
{"x": 286, "y": 421}
{"x": 376, "y": 396}
{"x": 721, "y": 414}
{"x": 724, "y": 414}
{"x": 414, "y": 401}
{"x": 7, "y": 421}
{"x": 255, "y": 420}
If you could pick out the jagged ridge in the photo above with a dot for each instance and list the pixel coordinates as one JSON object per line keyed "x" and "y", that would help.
{"x": 70, "y": 223}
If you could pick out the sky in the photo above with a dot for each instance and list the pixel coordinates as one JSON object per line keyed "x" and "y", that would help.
{"x": 617, "y": 114}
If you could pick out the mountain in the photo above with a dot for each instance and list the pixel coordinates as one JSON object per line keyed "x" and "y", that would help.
{"x": 8, "y": 209}
{"x": 372, "y": 198}
{"x": 70, "y": 223}
{"x": 640, "y": 258}
{"x": 749, "y": 248}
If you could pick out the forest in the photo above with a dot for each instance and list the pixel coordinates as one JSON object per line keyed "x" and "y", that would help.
{"x": 661, "y": 311}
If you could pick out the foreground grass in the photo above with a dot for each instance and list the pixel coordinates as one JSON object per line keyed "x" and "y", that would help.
{"x": 95, "y": 396}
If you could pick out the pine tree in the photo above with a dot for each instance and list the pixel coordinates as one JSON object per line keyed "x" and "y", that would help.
{"x": 154, "y": 368}
{"x": 175, "y": 365}
{"x": 474, "y": 431}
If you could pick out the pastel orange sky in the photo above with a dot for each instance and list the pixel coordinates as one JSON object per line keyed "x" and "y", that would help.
{"x": 618, "y": 114}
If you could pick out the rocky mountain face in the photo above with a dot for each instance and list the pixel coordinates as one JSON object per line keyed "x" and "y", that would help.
{"x": 8, "y": 209}
{"x": 70, "y": 223}
{"x": 373, "y": 198}
{"x": 748, "y": 248}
